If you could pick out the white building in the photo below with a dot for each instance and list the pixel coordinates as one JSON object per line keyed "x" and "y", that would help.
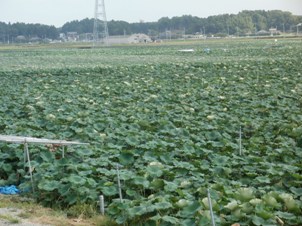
{"x": 139, "y": 38}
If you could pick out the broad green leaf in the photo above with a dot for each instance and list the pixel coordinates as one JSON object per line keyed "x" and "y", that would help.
{"x": 191, "y": 209}
{"x": 296, "y": 191}
{"x": 258, "y": 220}
{"x": 170, "y": 219}
{"x": 50, "y": 185}
{"x": 157, "y": 184}
{"x": 154, "y": 171}
{"x": 141, "y": 181}
{"x": 162, "y": 205}
{"x": 170, "y": 186}
{"x": 126, "y": 158}
{"x": 188, "y": 222}
{"x": 109, "y": 191}
{"x": 286, "y": 215}
{"x": 47, "y": 156}
{"x": 77, "y": 180}
{"x": 136, "y": 211}
{"x": 263, "y": 179}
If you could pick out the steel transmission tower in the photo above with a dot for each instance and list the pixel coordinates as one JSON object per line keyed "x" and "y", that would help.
{"x": 100, "y": 28}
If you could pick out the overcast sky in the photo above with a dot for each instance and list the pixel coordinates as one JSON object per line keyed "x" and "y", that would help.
{"x": 57, "y": 12}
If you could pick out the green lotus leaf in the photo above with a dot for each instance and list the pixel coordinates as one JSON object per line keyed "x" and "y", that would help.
{"x": 169, "y": 219}
{"x": 141, "y": 181}
{"x": 49, "y": 185}
{"x": 154, "y": 171}
{"x": 76, "y": 180}
{"x": 126, "y": 158}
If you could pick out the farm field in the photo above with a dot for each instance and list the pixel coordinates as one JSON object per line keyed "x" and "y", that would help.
{"x": 170, "y": 125}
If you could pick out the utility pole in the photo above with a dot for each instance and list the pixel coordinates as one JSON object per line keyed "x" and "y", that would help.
{"x": 8, "y": 32}
{"x": 255, "y": 29}
{"x": 100, "y": 28}
{"x": 298, "y": 25}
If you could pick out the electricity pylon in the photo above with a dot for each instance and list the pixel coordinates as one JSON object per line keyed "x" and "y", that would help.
{"x": 100, "y": 28}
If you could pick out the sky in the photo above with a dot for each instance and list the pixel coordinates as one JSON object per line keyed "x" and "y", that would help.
{"x": 58, "y": 12}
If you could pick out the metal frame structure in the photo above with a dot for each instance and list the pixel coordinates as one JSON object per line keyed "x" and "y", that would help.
{"x": 100, "y": 28}
{"x": 28, "y": 140}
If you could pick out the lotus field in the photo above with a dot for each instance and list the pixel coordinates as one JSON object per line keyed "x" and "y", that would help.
{"x": 167, "y": 125}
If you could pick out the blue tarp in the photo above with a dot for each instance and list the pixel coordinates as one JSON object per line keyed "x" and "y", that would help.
{"x": 9, "y": 190}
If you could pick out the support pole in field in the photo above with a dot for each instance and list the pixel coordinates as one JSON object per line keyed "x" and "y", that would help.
{"x": 119, "y": 183}
{"x": 29, "y": 165}
{"x": 102, "y": 205}
{"x": 211, "y": 208}
{"x": 120, "y": 187}
{"x": 240, "y": 141}
{"x": 25, "y": 157}
{"x": 63, "y": 152}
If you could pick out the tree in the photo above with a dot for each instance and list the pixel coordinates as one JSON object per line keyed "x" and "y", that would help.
{"x": 245, "y": 22}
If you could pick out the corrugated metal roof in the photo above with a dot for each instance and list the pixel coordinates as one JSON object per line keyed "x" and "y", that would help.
{"x": 21, "y": 140}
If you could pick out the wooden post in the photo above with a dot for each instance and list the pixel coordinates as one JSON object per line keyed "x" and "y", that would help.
{"x": 29, "y": 165}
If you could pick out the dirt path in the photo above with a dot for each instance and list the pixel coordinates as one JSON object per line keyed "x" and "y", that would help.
{"x": 12, "y": 216}
{"x": 23, "y": 211}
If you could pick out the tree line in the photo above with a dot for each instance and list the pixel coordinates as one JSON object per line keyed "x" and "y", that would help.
{"x": 12, "y": 32}
{"x": 245, "y": 22}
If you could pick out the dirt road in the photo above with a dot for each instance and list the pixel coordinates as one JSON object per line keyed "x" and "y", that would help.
{"x": 12, "y": 216}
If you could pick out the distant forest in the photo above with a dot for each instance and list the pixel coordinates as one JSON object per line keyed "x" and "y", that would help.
{"x": 245, "y": 22}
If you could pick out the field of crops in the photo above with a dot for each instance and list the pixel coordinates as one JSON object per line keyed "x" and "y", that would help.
{"x": 226, "y": 117}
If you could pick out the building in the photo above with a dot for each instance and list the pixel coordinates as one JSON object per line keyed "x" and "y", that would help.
{"x": 129, "y": 39}
{"x": 274, "y": 31}
{"x": 139, "y": 38}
